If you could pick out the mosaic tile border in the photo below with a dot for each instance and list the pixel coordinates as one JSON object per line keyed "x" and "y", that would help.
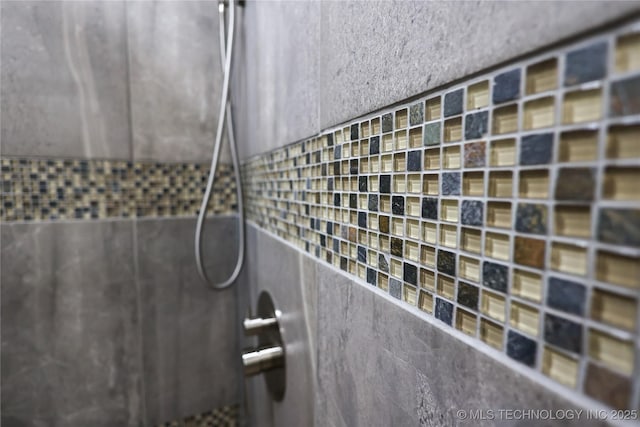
{"x": 55, "y": 189}
{"x": 504, "y": 206}
{"x": 226, "y": 416}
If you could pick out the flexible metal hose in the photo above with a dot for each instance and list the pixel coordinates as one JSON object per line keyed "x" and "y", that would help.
{"x": 224, "y": 115}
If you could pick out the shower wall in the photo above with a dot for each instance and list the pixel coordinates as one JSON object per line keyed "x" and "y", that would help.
{"x": 309, "y": 70}
{"x": 108, "y": 115}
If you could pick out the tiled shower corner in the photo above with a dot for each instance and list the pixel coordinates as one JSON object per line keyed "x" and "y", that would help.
{"x": 505, "y": 206}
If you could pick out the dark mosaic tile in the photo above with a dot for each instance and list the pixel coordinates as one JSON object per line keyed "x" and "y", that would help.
{"x": 374, "y": 145}
{"x": 385, "y": 184}
{"x": 575, "y": 184}
{"x": 396, "y": 246}
{"x": 336, "y": 199}
{"x": 354, "y": 131}
{"x": 444, "y": 311}
{"x": 416, "y": 114}
{"x": 521, "y": 348}
{"x": 531, "y": 218}
{"x": 431, "y": 135}
{"x": 447, "y": 262}
{"x": 586, "y": 64}
{"x": 625, "y": 97}
{"x": 353, "y": 201}
{"x": 536, "y": 149}
{"x": 619, "y": 226}
{"x": 383, "y": 222}
{"x": 476, "y": 125}
{"x": 337, "y": 152}
{"x": 529, "y": 252}
{"x": 430, "y": 208}
{"x": 363, "y": 184}
{"x": 329, "y": 140}
{"x": 468, "y": 295}
{"x": 395, "y": 288}
{"x": 336, "y": 168}
{"x": 453, "y": 103}
{"x": 383, "y": 263}
{"x": 410, "y": 274}
{"x": 387, "y": 122}
{"x": 373, "y": 203}
{"x": 372, "y": 276}
{"x": 414, "y": 161}
{"x": 495, "y": 276}
{"x": 471, "y": 212}
{"x": 362, "y": 220}
{"x": 336, "y": 246}
{"x": 563, "y": 332}
{"x": 362, "y": 254}
{"x": 474, "y": 154}
{"x": 344, "y": 264}
{"x": 567, "y": 296}
{"x": 506, "y": 86}
{"x": 329, "y": 228}
{"x": 397, "y": 205}
{"x": 608, "y": 386}
{"x": 353, "y": 167}
{"x": 450, "y": 183}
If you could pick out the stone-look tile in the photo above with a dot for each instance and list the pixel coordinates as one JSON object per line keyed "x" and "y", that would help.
{"x": 430, "y": 208}
{"x": 414, "y": 161}
{"x": 476, "y": 125}
{"x": 353, "y": 167}
{"x": 372, "y": 276}
{"x": 373, "y": 203}
{"x": 363, "y": 186}
{"x": 275, "y": 74}
{"x": 431, "y": 134}
{"x": 413, "y": 365}
{"x": 575, "y": 184}
{"x": 531, "y": 218}
{"x": 416, "y": 114}
{"x": 385, "y": 184}
{"x": 387, "y": 122}
{"x": 625, "y": 97}
{"x": 563, "y": 332}
{"x": 337, "y": 152}
{"x": 474, "y": 154}
{"x": 447, "y": 262}
{"x": 567, "y": 296}
{"x": 384, "y": 224}
{"x": 471, "y": 212}
{"x": 495, "y": 276}
{"x": 362, "y": 254}
{"x": 177, "y": 310}
{"x": 278, "y": 269}
{"x": 468, "y": 295}
{"x": 586, "y": 64}
{"x": 395, "y": 288}
{"x": 374, "y": 145}
{"x": 64, "y": 80}
{"x": 607, "y": 386}
{"x": 397, "y": 205}
{"x": 410, "y": 274}
{"x": 506, "y": 86}
{"x": 536, "y": 149}
{"x": 383, "y": 262}
{"x": 521, "y": 348}
{"x": 529, "y": 252}
{"x": 451, "y": 183}
{"x": 444, "y": 311}
{"x": 396, "y": 246}
{"x": 619, "y": 226}
{"x": 381, "y": 74}
{"x": 362, "y": 219}
{"x": 70, "y": 351}
{"x": 453, "y": 103}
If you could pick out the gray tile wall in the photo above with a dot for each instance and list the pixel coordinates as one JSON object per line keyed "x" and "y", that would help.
{"x": 351, "y": 58}
{"x": 371, "y": 362}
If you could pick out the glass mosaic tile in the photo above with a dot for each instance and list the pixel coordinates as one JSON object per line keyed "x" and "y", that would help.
{"x": 55, "y": 189}
{"x": 505, "y": 206}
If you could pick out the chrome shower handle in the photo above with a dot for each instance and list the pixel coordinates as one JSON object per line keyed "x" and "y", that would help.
{"x": 258, "y": 325}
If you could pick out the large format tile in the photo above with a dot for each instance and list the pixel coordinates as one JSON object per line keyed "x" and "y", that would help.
{"x": 175, "y": 79}
{"x": 411, "y": 372}
{"x": 70, "y": 354}
{"x": 64, "y": 79}
{"x": 190, "y": 350}
{"x": 276, "y": 93}
{"x": 278, "y": 271}
{"x": 376, "y": 53}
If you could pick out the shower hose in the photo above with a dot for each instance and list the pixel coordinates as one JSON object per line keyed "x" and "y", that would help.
{"x": 224, "y": 115}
